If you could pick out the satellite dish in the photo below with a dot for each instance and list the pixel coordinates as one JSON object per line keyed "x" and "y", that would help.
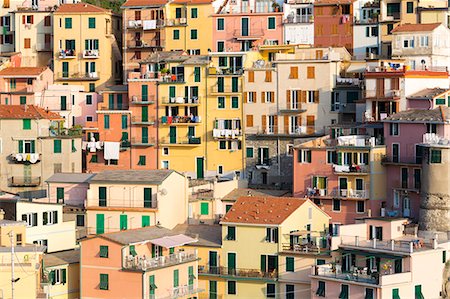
{"x": 163, "y": 191}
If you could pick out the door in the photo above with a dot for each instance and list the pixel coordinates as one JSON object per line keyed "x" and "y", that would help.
{"x": 379, "y": 233}
{"x": 406, "y": 207}
{"x": 272, "y": 263}
{"x": 27, "y": 174}
{"x": 173, "y": 134}
{"x": 144, "y": 114}
{"x": 264, "y": 178}
{"x": 213, "y": 262}
{"x": 144, "y": 136}
{"x": 200, "y": 167}
{"x": 231, "y": 262}
{"x": 123, "y": 222}
{"x": 144, "y": 92}
{"x": 100, "y": 224}
{"x": 343, "y": 187}
{"x": 65, "y": 69}
{"x": 244, "y": 26}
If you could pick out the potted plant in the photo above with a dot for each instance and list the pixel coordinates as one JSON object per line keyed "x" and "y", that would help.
{"x": 275, "y": 6}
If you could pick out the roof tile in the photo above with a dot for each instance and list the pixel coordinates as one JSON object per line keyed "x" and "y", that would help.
{"x": 26, "y": 111}
{"x": 415, "y": 27}
{"x": 22, "y": 71}
{"x": 80, "y": 8}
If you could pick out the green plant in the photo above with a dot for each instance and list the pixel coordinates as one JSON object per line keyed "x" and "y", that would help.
{"x": 164, "y": 71}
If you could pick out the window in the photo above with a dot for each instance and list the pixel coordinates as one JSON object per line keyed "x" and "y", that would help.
{"x": 176, "y": 34}
{"x": 145, "y": 221}
{"x": 249, "y": 151}
{"x": 404, "y": 178}
{"x": 271, "y": 23}
{"x": 234, "y": 103}
{"x": 26, "y": 124}
{"x": 91, "y": 87}
{"x": 57, "y": 145}
{"x": 89, "y": 99}
{"x": 204, "y": 208}
{"x": 290, "y": 264}
{"x": 440, "y": 101}
{"x": 27, "y": 43}
{"x": 80, "y": 220}
{"x": 272, "y": 234}
{"x": 417, "y": 182}
{"x": 221, "y": 102}
{"x": 194, "y": 34}
{"x": 369, "y": 294}
{"x": 68, "y": 23}
{"x": 50, "y": 217}
{"x": 148, "y": 200}
{"x": 311, "y": 72}
{"x": 91, "y": 23}
{"x": 103, "y": 251}
{"x": 435, "y": 156}
{"x": 331, "y": 157}
{"x": 294, "y": 72}
{"x": 444, "y": 256}
{"x": 102, "y": 196}
{"x": 220, "y": 46}
{"x": 165, "y": 164}
{"x": 231, "y": 233}
{"x": 19, "y": 239}
{"x": 321, "y": 289}
{"x": 290, "y": 291}
{"x": 60, "y": 195}
{"x": 336, "y": 205}
{"x": 395, "y": 294}
{"x": 390, "y": 27}
{"x": 424, "y": 41}
{"x": 304, "y": 156}
{"x": 106, "y": 121}
{"x": 409, "y": 7}
{"x": 408, "y": 42}
{"x": 176, "y": 278}
{"x": 360, "y": 206}
{"x": 178, "y": 12}
{"x": 47, "y": 21}
{"x": 231, "y": 287}
{"x": 142, "y": 160}
{"x": 197, "y": 76}
{"x": 431, "y": 128}
{"x": 220, "y": 24}
{"x": 270, "y": 290}
{"x": 58, "y": 276}
{"x": 289, "y": 150}
{"x": 23, "y": 100}
{"x": 395, "y": 152}
{"x": 194, "y": 13}
{"x": 165, "y": 151}
{"x": 393, "y": 129}
{"x": 30, "y": 219}
{"x": 104, "y": 282}
{"x": 344, "y": 292}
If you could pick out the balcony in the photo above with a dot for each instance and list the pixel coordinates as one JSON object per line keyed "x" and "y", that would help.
{"x": 144, "y": 44}
{"x": 237, "y": 272}
{"x": 139, "y": 120}
{"x": 144, "y": 24}
{"x": 294, "y": 108}
{"x": 78, "y": 76}
{"x": 405, "y": 244}
{"x": 143, "y": 263}
{"x": 304, "y": 249}
{"x": 216, "y": 89}
{"x": 227, "y": 133}
{"x": 182, "y": 292}
{"x": 298, "y": 19}
{"x": 172, "y": 78}
{"x": 249, "y": 34}
{"x": 144, "y": 141}
{"x": 351, "y": 169}
{"x": 391, "y": 17}
{"x": 67, "y": 54}
{"x": 181, "y": 141}
{"x": 180, "y": 120}
{"x": 263, "y": 163}
{"x": 75, "y": 131}
{"x": 139, "y": 100}
{"x": 348, "y": 82}
{"x": 180, "y": 101}
{"x": 19, "y": 181}
{"x": 26, "y": 158}
{"x": 220, "y": 71}
{"x": 175, "y": 22}
{"x": 380, "y": 94}
{"x": 348, "y": 193}
{"x": 91, "y": 54}
{"x": 121, "y": 203}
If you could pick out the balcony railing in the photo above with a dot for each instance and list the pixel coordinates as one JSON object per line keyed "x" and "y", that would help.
{"x": 393, "y": 93}
{"x": 143, "y": 141}
{"x": 401, "y": 160}
{"x": 348, "y": 81}
{"x": 227, "y": 133}
{"x": 180, "y": 100}
{"x": 91, "y": 54}
{"x": 181, "y": 140}
{"x": 226, "y": 89}
{"x": 153, "y": 204}
{"x": 351, "y": 169}
{"x": 26, "y": 158}
{"x": 67, "y": 54}
{"x": 182, "y": 292}
{"x": 251, "y": 33}
{"x": 139, "y": 120}
{"x": 63, "y": 132}
{"x": 304, "y": 249}
{"x": 237, "y": 272}
{"x": 139, "y": 100}
{"x": 20, "y": 181}
{"x": 172, "y": 78}
{"x": 220, "y": 71}
{"x": 404, "y": 245}
{"x": 143, "y": 263}
{"x": 176, "y": 22}
{"x": 349, "y": 193}
{"x": 291, "y": 19}
{"x": 78, "y": 76}
{"x": 170, "y": 120}
{"x": 144, "y": 44}
{"x": 145, "y": 24}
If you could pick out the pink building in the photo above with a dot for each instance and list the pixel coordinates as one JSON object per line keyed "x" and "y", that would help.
{"x": 404, "y": 137}
{"x": 68, "y": 188}
{"x": 380, "y": 258}
{"x": 242, "y": 25}
{"x": 24, "y": 85}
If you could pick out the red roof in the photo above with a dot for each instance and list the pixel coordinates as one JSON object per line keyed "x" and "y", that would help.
{"x": 26, "y": 111}
{"x": 144, "y": 3}
{"x": 192, "y": 1}
{"x": 22, "y": 71}
{"x": 80, "y": 8}
{"x": 416, "y": 27}
{"x": 262, "y": 210}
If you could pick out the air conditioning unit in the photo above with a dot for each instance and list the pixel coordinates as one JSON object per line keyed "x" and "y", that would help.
{"x": 183, "y": 21}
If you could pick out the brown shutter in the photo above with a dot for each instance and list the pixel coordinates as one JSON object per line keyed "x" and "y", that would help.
{"x": 288, "y": 99}
{"x": 286, "y": 124}
{"x": 32, "y": 19}
{"x": 303, "y": 96}
{"x": 245, "y": 97}
{"x": 275, "y": 123}
{"x": 310, "y": 124}
{"x": 255, "y": 99}
{"x": 27, "y": 43}
{"x": 23, "y": 19}
{"x": 263, "y": 96}
{"x": 251, "y": 76}
{"x": 294, "y": 72}
{"x": 299, "y": 94}
{"x": 249, "y": 122}
{"x": 316, "y": 96}
{"x": 268, "y": 76}
{"x": 272, "y": 97}
{"x": 263, "y": 123}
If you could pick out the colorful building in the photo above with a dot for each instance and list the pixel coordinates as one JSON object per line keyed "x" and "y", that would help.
{"x": 298, "y": 22}
{"x": 149, "y": 259}
{"x": 81, "y": 55}
{"x": 126, "y": 199}
{"x": 366, "y": 29}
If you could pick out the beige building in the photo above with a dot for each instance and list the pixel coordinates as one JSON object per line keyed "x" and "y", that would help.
{"x": 128, "y": 199}
{"x": 34, "y": 147}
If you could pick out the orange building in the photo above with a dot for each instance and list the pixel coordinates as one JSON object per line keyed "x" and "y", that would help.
{"x": 333, "y": 23}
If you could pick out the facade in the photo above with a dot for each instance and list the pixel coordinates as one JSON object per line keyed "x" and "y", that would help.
{"x": 366, "y": 29}
{"x": 265, "y": 227}
{"x": 254, "y": 23}
{"x": 87, "y": 59}
{"x": 121, "y": 200}
{"x": 69, "y": 188}
{"x": 34, "y": 147}
{"x": 422, "y": 46}
{"x": 377, "y": 258}
{"x": 298, "y": 22}
{"x": 149, "y": 259}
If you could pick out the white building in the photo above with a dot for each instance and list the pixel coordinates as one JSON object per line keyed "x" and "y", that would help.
{"x": 298, "y": 22}
{"x": 366, "y": 30}
{"x": 422, "y": 45}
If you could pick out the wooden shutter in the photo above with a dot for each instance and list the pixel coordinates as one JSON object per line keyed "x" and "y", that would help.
{"x": 249, "y": 121}
{"x": 299, "y": 94}
{"x": 286, "y": 124}
{"x": 310, "y": 122}
{"x": 245, "y": 97}
{"x": 31, "y": 19}
{"x": 272, "y": 97}
{"x": 23, "y": 19}
{"x": 316, "y": 96}
{"x": 268, "y": 76}
{"x": 27, "y": 43}
{"x": 294, "y": 72}
{"x": 263, "y": 122}
{"x": 255, "y": 99}
{"x": 251, "y": 76}
{"x": 288, "y": 99}
{"x": 263, "y": 96}
{"x": 310, "y": 72}
{"x": 303, "y": 96}
{"x": 275, "y": 123}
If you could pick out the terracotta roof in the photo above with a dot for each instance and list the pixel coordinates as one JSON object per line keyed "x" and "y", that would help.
{"x": 192, "y": 1}
{"x": 332, "y": 2}
{"x": 237, "y": 193}
{"x": 139, "y": 3}
{"x": 262, "y": 210}
{"x": 437, "y": 115}
{"x": 80, "y": 8}
{"x": 26, "y": 111}
{"x": 416, "y": 27}
{"x": 22, "y": 71}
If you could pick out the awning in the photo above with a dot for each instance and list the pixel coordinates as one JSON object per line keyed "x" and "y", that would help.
{"x": 173, "y": 241}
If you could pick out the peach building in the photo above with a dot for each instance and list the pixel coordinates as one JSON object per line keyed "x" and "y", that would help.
{"x": 148, "y": 260}
{"x": 381, "y": 258}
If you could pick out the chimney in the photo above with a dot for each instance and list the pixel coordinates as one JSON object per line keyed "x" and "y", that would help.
{"x": 2, "y": 214}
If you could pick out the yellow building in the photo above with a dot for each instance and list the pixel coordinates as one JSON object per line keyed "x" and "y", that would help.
{"x": 188, "y": 26}
{"x": 86, "y": 46}
{"x": 256, "y": 231}
{"x": 62, "y": 274}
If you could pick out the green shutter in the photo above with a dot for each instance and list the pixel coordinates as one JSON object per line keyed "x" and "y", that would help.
{"x": 133, "y": 250}
{"x": 339, "y": 158}
{"x": 104, "y": 251}
{"x": 59, "y": 193}
{"x": 68, "y": 23}
{"x": 194, "y": 13}
{"x": 144, "y": 90}
{"x": 123, "y": 222}
{"x": 20, "y": 146}
{"x": 106, "y": 121}
{"x": 74, "y": 149}
{"x": 57, "y": 146}
{"x": 204, "y": 208}
{"x": 102, "y": 196}
{"x": 63, "y": 276}
{"x": 23, "y": 100}
{"x": 213, "y": 289}
{"x": 104, "y": 282}
{"x": 176, "y": 34}
{"x": 290, "y": 264}
{"x": 191, "y": 276}
{"x": 100, "y": 223}
{"x": 271, "y": 24}
{"x": 235, "y": 102}
{"x": 27, "y": 124}
{"x": 395, "y": 294}
{"x": 111, "y": 101}
{"x": 234, "y": 84}
{"x": 263, "y": 263}
{"x": 176, "y": 278}
{"x": 147, "y": 197}
{"x": 124, "y": 121}
{"x": 144, "y": 135}
{"x": 96, "y": 44}
{"x": 144, "y": 113}
{"x": 145, "y": 221}
{"x": 444, "y": 256}
{"x": 220, "y": 24}
{"x": 91, "y": 23}
{"x": 152, "y": 285}
{"x": 33, "y": 146}
{"x": 51, "y": 277}
{"x": 172, "y": 91}
{"x": 197, "y": 74}
{"x": 63, "y": 102}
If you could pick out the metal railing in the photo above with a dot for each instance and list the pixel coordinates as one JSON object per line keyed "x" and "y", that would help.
{"x": 237, "y": 272}
{"x": 142, "y": 120}
{"x": 70, "y": 53}
{"x": 168, "y": 120}
{"x": 227, "y": 133}
{"x": 78, "y": 75}
{"x": 220, "y": 71}
{"x": 141, "y": 24}
{"x": 181, "y": 140}
{"x": 251, "y": 32}
{"x": 307, "y": 249}
{"x": 153, "y": 204}
{"x": 150, "y": 99}
{"x": 401, "y": 160}
{"x": 63, "y": 132}
{"x": 91, "y": 54}
{"x": 349, "y": 193}
{"x": 20, "y": 181}
{"x": 351, "y": 169}
{"x": 172, "y": 78}
{"x": 180, "y": 100}
{"x": 142, "y": 44}
{"x": 393, "y": 93}
{"x": 226, "y": 89}
{"x": 143, "y": 141}
{"x": 291, "y": 19}
{"x": 144, "y": 264}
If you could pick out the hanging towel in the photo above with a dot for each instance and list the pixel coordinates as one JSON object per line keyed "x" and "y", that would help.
{"x": 91, "y": 147}
{"x": 84, "y": 145}
{"x": 111, "y": 150}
